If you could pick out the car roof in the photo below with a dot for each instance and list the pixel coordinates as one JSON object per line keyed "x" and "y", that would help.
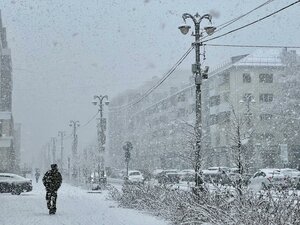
{"x": 289, "y": 169}
{"x": 9, "y": 174}
{"x": 131, "y": 171}
{"x": 13, "y": 175}
{"x": 270, "y": 170}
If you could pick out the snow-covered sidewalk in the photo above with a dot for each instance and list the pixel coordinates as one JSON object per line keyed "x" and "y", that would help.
{"x": 74, "y": 207}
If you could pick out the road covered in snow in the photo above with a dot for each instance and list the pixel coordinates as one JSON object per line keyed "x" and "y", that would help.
{"x": 75, "y": 206}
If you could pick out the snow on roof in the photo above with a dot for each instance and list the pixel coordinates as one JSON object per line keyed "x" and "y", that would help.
{"x": 262, "y": 57}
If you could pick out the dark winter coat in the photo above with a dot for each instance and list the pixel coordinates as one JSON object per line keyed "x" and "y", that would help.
{"x": 52, "y": 180}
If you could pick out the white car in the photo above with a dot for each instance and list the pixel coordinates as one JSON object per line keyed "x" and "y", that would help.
{"x": 266, "y": 178}
{"x": 14, "y": 184}
{"x": 135, "y": 176}
{"x": 292, "y": 176}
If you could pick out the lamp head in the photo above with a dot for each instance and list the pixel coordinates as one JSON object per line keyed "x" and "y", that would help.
{"x": 94, "y": 102}
{"x": 107, "y": 102}
{"x": 206, "y": 69}
{"x": 210, "y": 30}
{"x": 184, "y": 28}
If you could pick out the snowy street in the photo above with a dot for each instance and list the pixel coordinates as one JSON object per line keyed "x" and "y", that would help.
{"x": 74, "y": 207}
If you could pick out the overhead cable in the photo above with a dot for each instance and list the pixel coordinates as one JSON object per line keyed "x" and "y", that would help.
{"x": 249, "y": 24}
{"x": 150, "y": 90}
{"x": 222, "y": 26}
{"x": 251, "y": 46}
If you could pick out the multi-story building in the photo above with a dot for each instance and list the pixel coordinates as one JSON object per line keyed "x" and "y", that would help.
{"x": 238, "y": 102}
{"x": 8, "y": 157}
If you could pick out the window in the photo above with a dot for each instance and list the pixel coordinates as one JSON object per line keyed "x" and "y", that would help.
{"x": 181, "y": 112}
{"x": 246, "y": 78}
{"x": 214, "y": 100}
{"x": 226, "y": 97}
{"x": 265, "y": 78}
{"x": 181, "y": 97}
{"x": 224, "y": 117}
{"x": 265, "y": 136}
{"x": 266, "y": 97}
{"x": 213, "y": 119}
{"x": 224, "y": 78}
{"x": 266, "y": 116}
{"x": 247, "y": 97}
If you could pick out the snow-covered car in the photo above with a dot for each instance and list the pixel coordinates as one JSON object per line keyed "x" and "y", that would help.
{"x": 186, "y": 172}
{"x": 14, "y": 184}
{"x": 216, "y": 175}
{"x": 168, "y": 176}
{"x": 291, "y": 176}
{"x": 135, "y": 176}
{"x": 267, "y": 178}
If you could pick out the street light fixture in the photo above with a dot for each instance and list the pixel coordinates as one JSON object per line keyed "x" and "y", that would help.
{"x": 199, "y": 75}
{"x": 75, "y": 124}
{"x": 101, "y": 136}
{"x": 248, "y": 99}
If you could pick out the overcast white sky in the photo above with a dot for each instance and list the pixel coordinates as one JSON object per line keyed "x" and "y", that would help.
{"x": 65, "y": 52}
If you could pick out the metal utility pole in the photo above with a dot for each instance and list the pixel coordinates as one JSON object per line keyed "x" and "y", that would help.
{"x": 48, "y": 152}
{"x": 250, "y": 151}
{"x": 53, "y": 141}
{"x": 127, "y": 148}
{"x": 75, "y": 125}
{"x": 199, "y": 75}
{"x": 101, "y": 127}
{"x": 61, "y": 134}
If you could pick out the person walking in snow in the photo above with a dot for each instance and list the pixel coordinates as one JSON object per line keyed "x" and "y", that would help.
{"x": 52, "y": 181}
{"x": 37, "y": 175}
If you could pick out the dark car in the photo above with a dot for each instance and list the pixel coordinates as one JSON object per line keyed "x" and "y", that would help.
{"x": 14, "y": 184}
{"x": 168, "y": 177}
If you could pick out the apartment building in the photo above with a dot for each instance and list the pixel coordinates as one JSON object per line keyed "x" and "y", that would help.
{"x": 8, "y": 158}
{"x": 240, "y": 94}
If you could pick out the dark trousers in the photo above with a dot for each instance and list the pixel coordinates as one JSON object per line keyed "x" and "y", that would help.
{"x": 51, "y": 197}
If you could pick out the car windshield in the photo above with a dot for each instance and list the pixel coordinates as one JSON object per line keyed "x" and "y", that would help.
{"x": 134, "y": 173}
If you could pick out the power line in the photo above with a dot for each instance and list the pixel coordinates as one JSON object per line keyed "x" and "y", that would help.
{"x": 90, "y": 120}
{"x": 222, "y": 26}
{"x": 84, "y": 125}
{"x": 249, "y": 24}
{"x": 252, "y": 46}
{"x": 150, "y": 90}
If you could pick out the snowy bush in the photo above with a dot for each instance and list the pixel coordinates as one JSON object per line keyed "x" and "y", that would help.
{"x": 218, "y": 207}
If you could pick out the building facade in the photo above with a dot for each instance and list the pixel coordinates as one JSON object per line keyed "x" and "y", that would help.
{"x": 239, "y": 102}
{"x": 8, "y": 156}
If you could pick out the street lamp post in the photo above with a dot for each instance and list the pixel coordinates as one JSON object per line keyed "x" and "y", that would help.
{"x": 61, "y": 134}
{"x": 247, "y": 101}
{"x": 98, "y": 99}
{"x": 199, "y": 75}
{"x": 75, "y": 125}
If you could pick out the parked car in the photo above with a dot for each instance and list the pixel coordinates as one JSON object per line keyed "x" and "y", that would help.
{"x": 14, "y": 184}
{"x": 135, "y": 177}
{"x": 291, "y": 176}
{"x": 267, "y": 178}
{"x": 216, "y": 175}
{"x": 168, "y": 176}
{"x": 185, "y": 172}
{"x": 98, "y": 181}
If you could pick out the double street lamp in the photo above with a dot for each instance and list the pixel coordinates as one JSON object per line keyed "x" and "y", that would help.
{"x": 101, "y": 127}
{"x": 248, "y": 99}
{"x": 199, "y": 75}
{"x": 75, "y": 124}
